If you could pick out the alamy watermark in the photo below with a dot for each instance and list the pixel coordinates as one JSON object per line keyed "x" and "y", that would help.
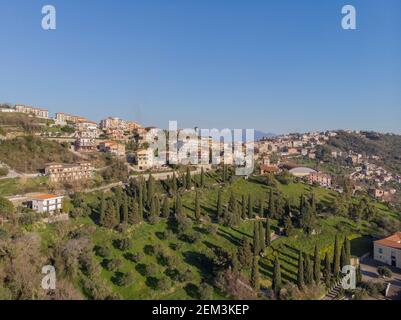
{"x": 348, "y": 282}
{"x": 49, "y": 280}
{"x": 49, "y": 18}
{"x": 348, "y": 21}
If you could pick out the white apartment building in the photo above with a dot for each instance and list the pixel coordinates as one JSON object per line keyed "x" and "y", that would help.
{"x": 145, "y": 159}
{"x": 388, "y": 250}
{"x": 38, "y": 112}
{"x": 47, "y": 203}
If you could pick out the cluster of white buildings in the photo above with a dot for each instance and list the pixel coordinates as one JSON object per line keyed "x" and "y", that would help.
{"x": 293, "y": 145}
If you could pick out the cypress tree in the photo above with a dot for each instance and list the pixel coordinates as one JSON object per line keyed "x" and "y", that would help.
{"x": 197, "y": 207}
{"x": 133, "y": 217}
{"x": 276, "y": 285}
{"x": 316, "y": 265}
{"x": 224, "y": 173}
{"x": 118, "y": 203}
{"x": 125, "y": 208}
{"x": 256, "y": 240}
{"x": 166, "y": 208}
{"x": 300, "y": 276}
{"x": 336, "y": 259}
{"x": 245, "y": 252}
{"x": 102, "y": 209}
{"x": 219, "y": 204}
{"x": 287, "y": 225}
{"x": 347, "y": 245}
{"x": 243, "y": 210}
{"x": 188, "y": 179}
{"x": 268, "y": 233}
{"x": 151, "y": 190}
{"x": 178, "y": 205}
{"x": 255, "y": 274}
{"x": 157, "y": 205}
{"x": 272, "y": 207}
{"x": 152, "y": 210}
{"x": 261, "y": 237}
{"x": 327, "y": 270}
{"x": 140, "y": 203}
{"x": 308, "y": 270}
{"x": 250, "y": 207}
{"x": 110, "y": 215}
{"x": 202, "y": 178}
{"x": 261, "y": 210}
{"x": 144, "y": 193}
{"x": 233, "y": 217}
{"x": 358, "y": 274}
{"x": 174, "y": 184}
{"x": 343, "y": 257}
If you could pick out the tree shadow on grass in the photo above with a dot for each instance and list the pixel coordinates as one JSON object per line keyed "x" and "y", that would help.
{"x": 192, "y": 290}
{"x": 243, "y": 233}
{"x": 234, "y": 240}
{"x": 199, "y": 260}
{"x": 141, "y": 268}
{"x": 117, "y": 276}
{"x": 151, "y": 282}
{"x": 149, "y": 250}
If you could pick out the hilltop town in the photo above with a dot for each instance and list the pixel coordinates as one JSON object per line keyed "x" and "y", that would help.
{"x": 121, "y": 223}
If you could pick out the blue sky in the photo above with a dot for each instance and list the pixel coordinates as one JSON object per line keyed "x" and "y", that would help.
{"x": 276, "y": 66}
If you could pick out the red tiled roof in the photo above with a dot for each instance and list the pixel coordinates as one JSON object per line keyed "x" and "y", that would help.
{"x": 45, "y": 196}
{"x": 393, "y": 241}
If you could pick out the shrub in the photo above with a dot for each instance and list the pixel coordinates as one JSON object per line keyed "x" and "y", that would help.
{"x": 384, "y": 272}
{"x": 113, "y": 264}
{"x": 211, "y": 229}
{"x": 163, "y": 284}
{"x": 205, "y": 291}
{"x": 124, "y": 244}
{"x": 3, "y": 171}
{"x": 88, "y": 265}
{"x": 28, "y": 218}
{"x": 374, "y": 289}
{"x": 151, "y": 270}
{"x": 103, "y": 251}
{"x": 125, "y": 279}
{"x": 134, "y": 257}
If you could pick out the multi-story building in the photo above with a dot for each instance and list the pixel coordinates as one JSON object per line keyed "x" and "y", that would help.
{"x": 38, "y": 112}
{"x": 388, "y": 250}
{"x": 117, "y": 134}
{"x": 69, "y": 172}
{"x": 46, "y": 203}
{"x": 86, "y": 125}
{"x": 119, "y": 124}
{"x": 144, "y": 159}
{"x": 63, "y": 118}
{"x": 85, "y": 144}
{"x": 113, "y": 147}
{"x": 320, "y": 178}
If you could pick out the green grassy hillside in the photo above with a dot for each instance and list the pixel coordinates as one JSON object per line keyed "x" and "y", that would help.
{"x": 30, "y": 154}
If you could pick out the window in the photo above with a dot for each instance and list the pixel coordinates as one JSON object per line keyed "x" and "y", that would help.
{"x": 380, "y": 250}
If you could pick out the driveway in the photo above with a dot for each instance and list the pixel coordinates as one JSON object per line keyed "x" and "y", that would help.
{"x": 369, "y": 273}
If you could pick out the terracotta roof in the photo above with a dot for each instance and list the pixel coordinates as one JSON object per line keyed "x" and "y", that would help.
{"x": 393, "y": 241}
{"x": 45, "y": 196}
{"x": 267, "y": 168}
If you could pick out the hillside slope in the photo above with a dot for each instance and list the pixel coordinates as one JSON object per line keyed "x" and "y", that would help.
{"x": 386, "y": 146}
{"x": 30, "y": 154}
